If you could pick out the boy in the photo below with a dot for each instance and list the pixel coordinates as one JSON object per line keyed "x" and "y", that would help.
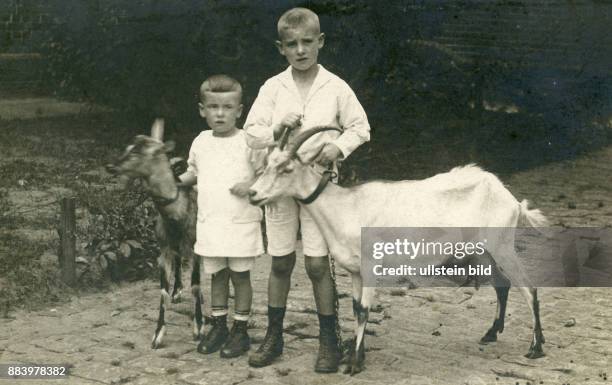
{"x": 303, "y": 96}
{"x": 228, "y": 230}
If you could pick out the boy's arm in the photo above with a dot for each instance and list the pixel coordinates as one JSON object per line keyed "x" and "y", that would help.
{"x": 354, "y": 121}
{"x": 190, "y": 176}
{"x": 258, "y": 126}
{"x": 257, "y": 158}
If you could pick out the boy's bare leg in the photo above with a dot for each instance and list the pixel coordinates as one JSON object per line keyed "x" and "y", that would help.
{"x": 322, "y": 284}
{"x": 243, "y": 291}
{"x": 238, "y": 341}
{"x": 279, "y": 281}
{"x": 219, "y": 292}
{"x": 324, "y": 292}
{"x": 219, "y": 289}
{"x": 279, "y": 284}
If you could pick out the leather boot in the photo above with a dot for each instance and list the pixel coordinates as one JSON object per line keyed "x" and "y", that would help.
{"x": 216, "y": 336}
{"x": 329, "y": 352}
{"x": 238, "y": 341}
{"x": 272, "y": 345}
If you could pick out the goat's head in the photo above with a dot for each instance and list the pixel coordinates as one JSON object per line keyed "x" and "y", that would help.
{"x": 141, "y": 158}
{"x": 286, "y": 174}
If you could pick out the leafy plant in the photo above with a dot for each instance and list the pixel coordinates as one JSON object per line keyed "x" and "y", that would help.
{"x": 119, "y": 233}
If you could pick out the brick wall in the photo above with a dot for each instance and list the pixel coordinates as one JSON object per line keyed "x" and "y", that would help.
{"x": 571, "y": 35}
{"x": 22, "y": 29}
{"x": 22, "y": 24}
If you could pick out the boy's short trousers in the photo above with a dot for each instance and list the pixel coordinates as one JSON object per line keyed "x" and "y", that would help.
{"x": 282, "y": 224}
{"x": 213, "y": 265}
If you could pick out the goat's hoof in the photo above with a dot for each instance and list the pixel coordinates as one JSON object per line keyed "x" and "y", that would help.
{"x": 199, "y": 335}
{"x": 158, "y": 337}
{"x": 354, "y": 364}
{"x": 353, "y": 368}
{"x": 489, "y": 337}
{"x": 177, "y": 297}
{"x": 198, "y": 330}
{"x": 535, "y": 353}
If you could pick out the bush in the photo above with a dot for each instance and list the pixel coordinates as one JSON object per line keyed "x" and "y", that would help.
{"x": 119, "y": 234}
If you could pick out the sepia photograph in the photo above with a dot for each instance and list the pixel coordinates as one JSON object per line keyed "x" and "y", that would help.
{"x": 289, "y": 192}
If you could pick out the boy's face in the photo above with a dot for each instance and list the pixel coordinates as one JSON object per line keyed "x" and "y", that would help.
{"x": 221, "y": 109}
{"x": 301, "y": 45}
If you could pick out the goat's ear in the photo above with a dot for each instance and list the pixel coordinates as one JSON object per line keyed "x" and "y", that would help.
{"x": 177, "y": 161}
{"x": 140, "y": 139}
{"x": 289, "y": 167}
{"x": 169, "y": 146}
{"x": 178, "y": 165}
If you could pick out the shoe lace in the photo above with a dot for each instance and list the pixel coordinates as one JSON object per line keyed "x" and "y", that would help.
{"x": 328, "y": 346}
{"x": 268, "y": 340}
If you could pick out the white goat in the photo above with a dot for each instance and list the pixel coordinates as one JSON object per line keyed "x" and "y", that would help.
{"x": 464, "y": 197}
{"x": 175, "y": 226}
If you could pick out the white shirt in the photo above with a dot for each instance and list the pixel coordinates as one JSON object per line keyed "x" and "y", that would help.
{"x": 330, "y": 102}
{"x": 227, "y": 225}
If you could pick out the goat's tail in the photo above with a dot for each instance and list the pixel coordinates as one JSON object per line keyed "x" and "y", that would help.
{"x": 533, "y": 217}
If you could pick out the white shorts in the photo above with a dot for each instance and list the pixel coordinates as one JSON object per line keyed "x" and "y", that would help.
{"x": 214, "y": 265}
{"x": 282, "y": 224}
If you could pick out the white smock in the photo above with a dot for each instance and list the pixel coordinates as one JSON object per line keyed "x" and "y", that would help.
{"x": 227, "y": 225}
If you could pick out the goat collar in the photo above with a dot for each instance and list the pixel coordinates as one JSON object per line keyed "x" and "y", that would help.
{"x": 327, "y": 176}
{"x": 163, "y": 202}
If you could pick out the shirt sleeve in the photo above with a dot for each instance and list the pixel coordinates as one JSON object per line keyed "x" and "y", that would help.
{"x": 191, "y": 161}
{"x": 258, "y": 124}
{"x": 353, "y": 120}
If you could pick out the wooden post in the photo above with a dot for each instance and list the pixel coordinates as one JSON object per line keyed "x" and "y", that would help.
{"x": 68, "y": 241}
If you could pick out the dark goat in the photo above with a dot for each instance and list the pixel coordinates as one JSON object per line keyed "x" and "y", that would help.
{"x": 146, "y": 159}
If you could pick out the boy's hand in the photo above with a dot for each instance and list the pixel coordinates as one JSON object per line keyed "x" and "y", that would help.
{"x": 292, "y": 120}
{"x": 241, "y": 189}
{"x": 328, "y": 155}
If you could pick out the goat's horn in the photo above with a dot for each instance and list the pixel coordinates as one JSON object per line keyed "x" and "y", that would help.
{"x": 304, "y": 136}
{"x": 157, "y": 130}
{"x": 283, "y": 139}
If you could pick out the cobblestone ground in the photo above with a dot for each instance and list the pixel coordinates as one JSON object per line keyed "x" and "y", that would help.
{"x": 423, "y": 336}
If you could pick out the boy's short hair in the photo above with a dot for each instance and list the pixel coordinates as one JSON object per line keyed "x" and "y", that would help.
{"x": 296, "y": 17}
{"x": 220, "y": 83}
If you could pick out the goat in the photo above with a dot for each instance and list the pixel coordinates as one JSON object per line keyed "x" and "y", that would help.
{"x": 146, "y": 159}
{"x": 464, "y": 197}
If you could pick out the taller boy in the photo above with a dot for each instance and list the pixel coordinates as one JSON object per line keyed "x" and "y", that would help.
{"x": 303, "y": 96}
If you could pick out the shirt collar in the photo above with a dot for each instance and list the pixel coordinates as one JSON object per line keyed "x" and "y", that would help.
{"x": 323, "y": 76}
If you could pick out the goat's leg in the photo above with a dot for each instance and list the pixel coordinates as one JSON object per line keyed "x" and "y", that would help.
{"x": 531, "y": 296}
{"x": 509, "y": 264}
{"x": 198, "y": 325}
{"x": 502, "y": 288}
{"x": 164, "y": 265}
{"x": 362, "y": 298}
{"x": 177, "y": 290}
{"x": 498, "y": 323}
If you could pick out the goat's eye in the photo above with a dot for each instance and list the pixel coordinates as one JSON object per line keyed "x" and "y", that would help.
{"x": 287, "y": 170}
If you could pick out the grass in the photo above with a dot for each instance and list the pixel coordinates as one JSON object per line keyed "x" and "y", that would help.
{"x": 42, "y": 161}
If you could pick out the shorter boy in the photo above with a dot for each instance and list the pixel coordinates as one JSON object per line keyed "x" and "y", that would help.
{"x": 228, "y": 230}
